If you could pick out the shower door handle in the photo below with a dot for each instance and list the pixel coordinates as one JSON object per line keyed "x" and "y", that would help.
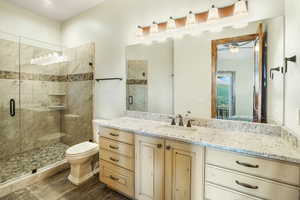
{"x": 12, "y": 107}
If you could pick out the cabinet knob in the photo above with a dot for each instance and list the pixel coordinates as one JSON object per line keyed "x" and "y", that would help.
{"x": 168, "y": 147}
{"x": 159, "y": 145}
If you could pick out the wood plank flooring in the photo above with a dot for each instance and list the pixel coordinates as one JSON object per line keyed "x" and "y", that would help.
{"x": 58, "y": 187}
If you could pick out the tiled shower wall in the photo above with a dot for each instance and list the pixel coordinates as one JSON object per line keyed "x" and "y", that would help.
{"x": 35, "y": 124}
{"x": 77, "y": 119}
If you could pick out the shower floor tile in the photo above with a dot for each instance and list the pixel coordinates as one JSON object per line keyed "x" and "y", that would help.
{"x": 23, "y": 163}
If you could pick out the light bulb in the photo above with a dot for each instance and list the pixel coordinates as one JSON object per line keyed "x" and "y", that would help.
{"x": 190, "y": 20}
{"x": 154, "y": 28}
{"x": 139, "y": 32}
{"x": 171, "y": 24}
{"x": 213, "y": 14}
{"x": 240, "y": 8}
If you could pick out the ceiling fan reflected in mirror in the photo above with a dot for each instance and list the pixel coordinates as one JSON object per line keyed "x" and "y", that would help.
{"x": 235, "y": 47}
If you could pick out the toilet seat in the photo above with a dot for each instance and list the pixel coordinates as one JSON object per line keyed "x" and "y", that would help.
{"x": 81, "y": 149}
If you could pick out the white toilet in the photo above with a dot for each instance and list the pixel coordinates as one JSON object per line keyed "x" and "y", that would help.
{"x": 80, "y": 158}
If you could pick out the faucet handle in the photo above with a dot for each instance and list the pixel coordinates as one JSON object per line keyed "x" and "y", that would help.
{"x": 189, "y": 123}
{"x": 173, "y": 120}
{"x": 180, "y": 120}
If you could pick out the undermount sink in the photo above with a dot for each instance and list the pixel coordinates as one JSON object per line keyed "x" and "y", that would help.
{"x": 177, "y": 128}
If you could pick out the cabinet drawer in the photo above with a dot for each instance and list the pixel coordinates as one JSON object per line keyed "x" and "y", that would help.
{"x": 214, "y": 192}
{"x": 251, "y": 185}
{"x": 279, "y": 171}
{"x": 118, "y": 159}
{"x": 118, "y": 135}
{"x": 117, "y": 147}
{"x": 117, "y": 178}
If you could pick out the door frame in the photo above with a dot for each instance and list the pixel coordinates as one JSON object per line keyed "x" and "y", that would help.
{"x": 214, "y": 59}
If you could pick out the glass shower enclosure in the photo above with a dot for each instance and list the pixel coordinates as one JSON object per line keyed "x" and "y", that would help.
{"x": 40, "y": 104}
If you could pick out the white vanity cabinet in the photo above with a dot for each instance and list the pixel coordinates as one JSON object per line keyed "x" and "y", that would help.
{"x": 168, "y": 170}
{"x": 230, "y": 174}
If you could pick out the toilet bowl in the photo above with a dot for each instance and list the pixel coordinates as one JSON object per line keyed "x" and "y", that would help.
{"x": 80, "y": 157}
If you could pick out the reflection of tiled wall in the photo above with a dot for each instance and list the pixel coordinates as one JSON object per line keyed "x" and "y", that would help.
{"x": 39, "y": 124}
{"x": 137, "y": 87}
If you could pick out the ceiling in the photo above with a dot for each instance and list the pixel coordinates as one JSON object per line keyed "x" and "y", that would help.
{"x": 56, "y": 9}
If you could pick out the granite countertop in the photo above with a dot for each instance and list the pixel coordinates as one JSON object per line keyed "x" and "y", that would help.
{"x": 255, "y": 144}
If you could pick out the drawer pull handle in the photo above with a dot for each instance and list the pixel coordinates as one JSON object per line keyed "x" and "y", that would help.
{"x": 113, "y": 159}
{"x": 113, "y": 147}
{"x": 246, "y": 185}
{"x": 114, "y": 134}
{"x": 159, "y": 146}
{"x": 246, "y": 164}
{"x": 113, "y": 178}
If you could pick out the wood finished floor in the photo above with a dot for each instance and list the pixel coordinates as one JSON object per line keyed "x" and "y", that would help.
{"x": 59, "y": 188}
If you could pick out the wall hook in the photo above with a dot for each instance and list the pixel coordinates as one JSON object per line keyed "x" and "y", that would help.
{"x": 290, "y": 59}
{"x": 274, "y": 69}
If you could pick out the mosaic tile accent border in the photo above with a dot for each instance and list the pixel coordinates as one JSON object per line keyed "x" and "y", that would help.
{"x": 259, "y": 128}
{"x": 136, "y": 82}
{"x": 47, "y": 77}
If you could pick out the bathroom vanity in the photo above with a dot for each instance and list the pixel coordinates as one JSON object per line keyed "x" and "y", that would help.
{"x": 234, "y": 81}
{"x": 151, "y": 160}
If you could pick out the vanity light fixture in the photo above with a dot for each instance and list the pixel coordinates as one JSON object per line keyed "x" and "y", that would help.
{"x": 193, "y": 23}
{"x": 139, "y": 32}
{"x": 240, "y": 8}
{"x": 154, "y": 28}
{"x": 190, "y": 20}
{"x": 213, "y": 14}
{"x": 171, "y": 24}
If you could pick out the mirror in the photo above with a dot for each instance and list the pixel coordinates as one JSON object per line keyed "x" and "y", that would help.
{"x": 149, "y": 78}
{"x": 233, "y": 74}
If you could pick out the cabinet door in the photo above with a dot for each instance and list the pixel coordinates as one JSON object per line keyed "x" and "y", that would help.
{"x": 184, "y": 170}
{"x": 149, "y": 165}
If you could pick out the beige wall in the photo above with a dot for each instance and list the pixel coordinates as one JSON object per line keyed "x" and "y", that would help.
{"x": 22, "y": 22}
{"x": 275, "y": 39}
{"x": 112, "y": 26}
{"x": 292, "y": 100}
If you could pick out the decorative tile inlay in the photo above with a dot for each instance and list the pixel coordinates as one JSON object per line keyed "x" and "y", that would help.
{"x": 47, "y": 77}
{"x": 136, "y": 82}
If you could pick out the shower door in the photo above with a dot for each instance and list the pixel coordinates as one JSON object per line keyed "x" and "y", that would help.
{"x": 10, "y": 136}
